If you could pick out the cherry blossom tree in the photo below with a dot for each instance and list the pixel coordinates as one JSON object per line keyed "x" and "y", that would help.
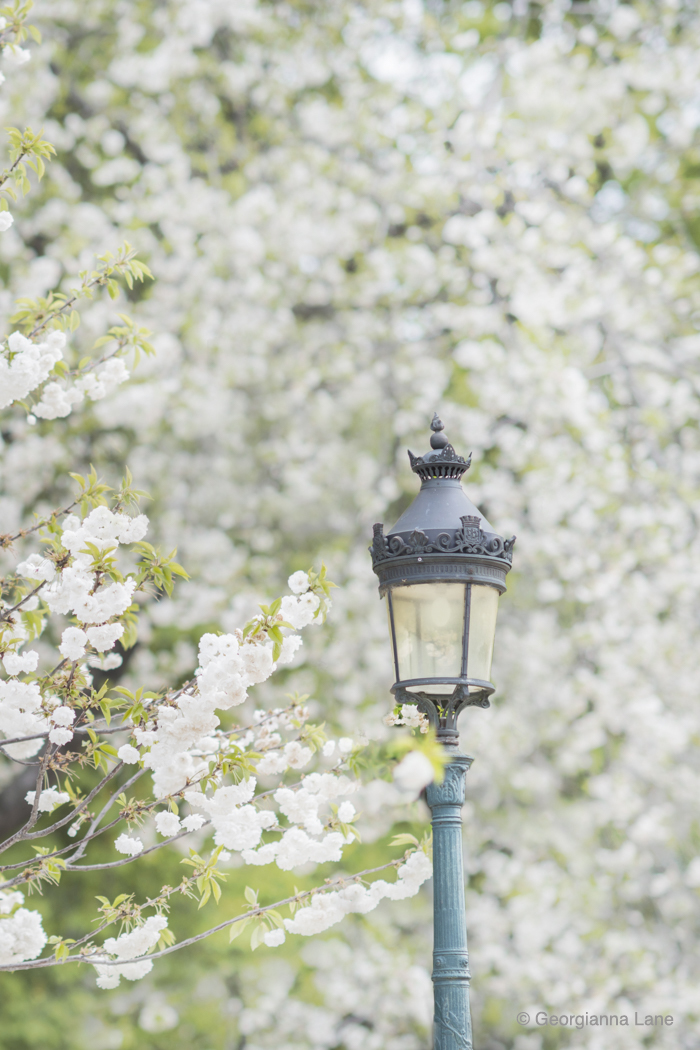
{"x": 356, "y": 214}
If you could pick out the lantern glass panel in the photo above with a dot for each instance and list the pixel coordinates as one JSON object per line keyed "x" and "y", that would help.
{"x": 482, "y": 631}
{"x": 429, "y": 626}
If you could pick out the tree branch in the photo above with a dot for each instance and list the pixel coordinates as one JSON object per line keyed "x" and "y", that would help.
{"x": 336, "y": 884}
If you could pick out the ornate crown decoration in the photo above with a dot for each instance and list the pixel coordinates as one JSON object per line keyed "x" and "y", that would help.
{"x": 443, "y": 461}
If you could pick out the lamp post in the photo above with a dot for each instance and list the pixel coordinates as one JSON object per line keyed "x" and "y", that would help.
{"x": 441, "y": 569}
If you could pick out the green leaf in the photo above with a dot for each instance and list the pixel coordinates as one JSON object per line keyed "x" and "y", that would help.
{"x": 404, "y": 840}
{"x": 257, "y": 937}
{"x": 237, "y": 929}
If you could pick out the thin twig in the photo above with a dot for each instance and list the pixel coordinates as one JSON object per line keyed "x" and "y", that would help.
{"x": 5, "y": 615}
{"x": 96, "y": 820}
{"x": 23, "y": 835}
{"x": 130, "y": 860}
{"x": 8, "y": 171}
{"x": 88, "y": 838}
{"x": 33, "y": 816}
{"x": 7, "y": 540}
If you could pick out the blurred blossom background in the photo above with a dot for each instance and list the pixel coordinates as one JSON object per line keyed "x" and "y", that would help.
{"x": 357, "y": 213}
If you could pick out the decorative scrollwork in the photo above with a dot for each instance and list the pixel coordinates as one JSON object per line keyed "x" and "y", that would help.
{"x": 442, "y": 710}
{"x": 452, "y": 789}
{"x": 468, "y": 540}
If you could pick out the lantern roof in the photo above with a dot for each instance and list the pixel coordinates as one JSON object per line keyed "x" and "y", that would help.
{"x": 441, "y": 521}
{"x": 441, "y": 503}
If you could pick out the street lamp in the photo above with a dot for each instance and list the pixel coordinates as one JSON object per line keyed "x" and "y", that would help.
{"x": 441, "y": 569}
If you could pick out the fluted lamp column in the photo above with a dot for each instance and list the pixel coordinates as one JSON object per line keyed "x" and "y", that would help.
{"x": 441, "y": 569}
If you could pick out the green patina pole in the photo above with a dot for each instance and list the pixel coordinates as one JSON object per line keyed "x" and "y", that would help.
{"x": 453, "y": 1027}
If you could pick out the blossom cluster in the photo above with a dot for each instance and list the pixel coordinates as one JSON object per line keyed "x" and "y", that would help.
{"x": 21, "y": 934}
{"x": 327, "y": 909}
{"x": 408, "y": 715}
{"x": 128, "y": 946}
{"x": 25, "y": 365}
{"x": 181, "y": 741}
{"x": 96, "y": 602}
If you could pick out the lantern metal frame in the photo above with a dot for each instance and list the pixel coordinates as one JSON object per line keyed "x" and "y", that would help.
{"x": 427, "y": 545}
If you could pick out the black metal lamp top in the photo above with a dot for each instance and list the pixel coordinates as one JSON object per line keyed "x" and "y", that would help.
{"x": 441, "y": 521}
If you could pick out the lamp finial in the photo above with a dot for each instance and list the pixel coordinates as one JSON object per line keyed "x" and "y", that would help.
{"x": 438, "y": 439}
